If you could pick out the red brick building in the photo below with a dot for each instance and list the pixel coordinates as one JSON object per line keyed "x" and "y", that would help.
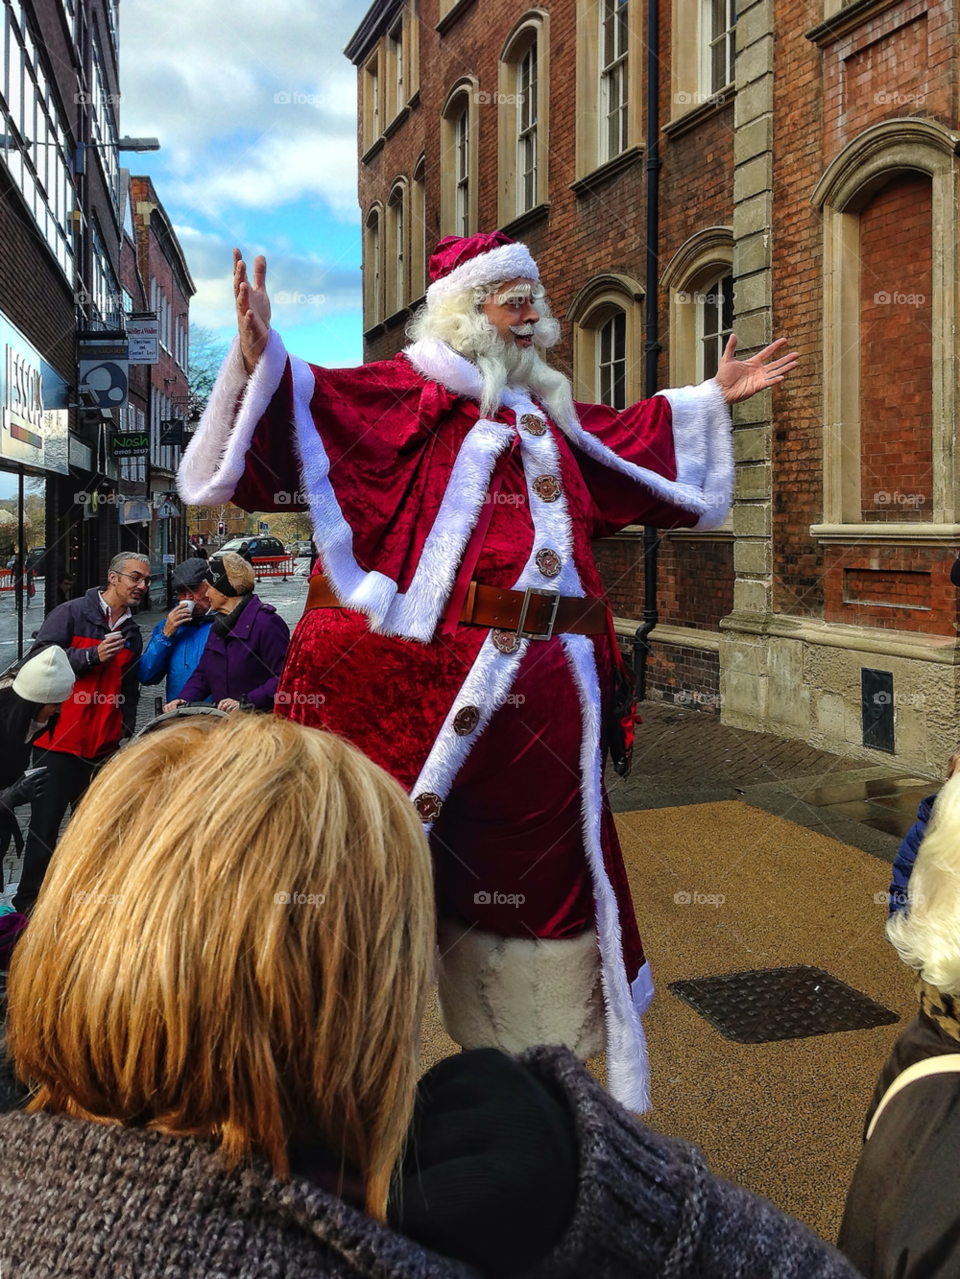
{"x": 808, "y": 187}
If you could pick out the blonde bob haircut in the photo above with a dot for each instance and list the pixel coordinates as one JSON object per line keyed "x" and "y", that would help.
{"x": 234, "y": 962}
{"x": 926, "y": 932}
{"x": 240, "y": 574}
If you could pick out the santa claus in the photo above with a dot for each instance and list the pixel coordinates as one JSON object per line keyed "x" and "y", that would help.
{"x": 456, "y": 628}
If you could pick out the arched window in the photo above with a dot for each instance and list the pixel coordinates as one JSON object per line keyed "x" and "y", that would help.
{"x": 608, "y": 341}
{"x": 889, "y": 203}
{"x": 699, "y": 281}
{"x": 418, "y": 231}
{"x": 396, "y": 253}
{"x": 372, "y": 290}
{"x": 522, "y": 105}
{"x": 458, "y": 160}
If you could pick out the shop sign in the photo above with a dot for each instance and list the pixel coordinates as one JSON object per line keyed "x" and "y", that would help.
{"x": 33, "y": 401}
{"x": 143, "y": 334}
{"x": 102, "y": 369}
{"x": 129, "y": 443}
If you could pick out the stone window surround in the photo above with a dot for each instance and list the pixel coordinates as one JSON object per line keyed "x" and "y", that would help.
{"x": 863, "y": 167}
{"x": 695, "y": 264}
{"x": 371, "y": 79}
{"x": 533, "y": 26}
{"x": 417, "y": 219}
{"x": 463, "y": 93}
{"x": 398, "y": 198}
{"x": 589, "y": 155}
{"x": 380, "y": 65}
{"x": 593, "y": 305}
{"x": 689, "y": 93}
{"x": 372, "y": 233}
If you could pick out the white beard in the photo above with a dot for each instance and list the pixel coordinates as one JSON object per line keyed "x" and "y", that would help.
{"x": 502, "y": 365}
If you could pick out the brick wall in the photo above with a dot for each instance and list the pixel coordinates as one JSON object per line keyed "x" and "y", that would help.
{"x": 896, "y": 447}
{"x": 898, "y": 588}
{"x": 695, "y": 579}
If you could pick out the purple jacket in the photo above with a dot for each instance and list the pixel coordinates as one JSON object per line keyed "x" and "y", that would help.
{"x": 245, "y": 662}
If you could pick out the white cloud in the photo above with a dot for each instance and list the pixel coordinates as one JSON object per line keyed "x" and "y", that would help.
{"x": 205, "y": 79}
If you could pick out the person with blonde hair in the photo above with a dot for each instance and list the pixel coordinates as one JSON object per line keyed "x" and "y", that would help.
{"x": 219, "y": 1010}
{"x": 901, "y": 1217}
{"x": 244, "y": 652}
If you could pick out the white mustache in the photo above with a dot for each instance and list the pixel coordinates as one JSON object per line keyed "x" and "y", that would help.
{"x": 522, "y": 330}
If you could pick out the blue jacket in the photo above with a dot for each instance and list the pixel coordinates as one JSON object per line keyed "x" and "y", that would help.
{"x": 903, "y": 865}
{"x": 175, "y": 658}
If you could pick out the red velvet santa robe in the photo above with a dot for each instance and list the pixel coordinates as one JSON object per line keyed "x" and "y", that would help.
{"x": 393, "y": 461}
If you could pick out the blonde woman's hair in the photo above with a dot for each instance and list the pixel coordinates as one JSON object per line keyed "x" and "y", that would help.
{"x": 241, "y": 574}
{"x": 236, "y": 957}
{"x": 926, "y": 932}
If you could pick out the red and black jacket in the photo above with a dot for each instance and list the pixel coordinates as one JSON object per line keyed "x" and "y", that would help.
{"x": 103, "y": 708}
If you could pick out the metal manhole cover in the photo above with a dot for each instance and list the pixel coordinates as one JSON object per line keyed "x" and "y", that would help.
{"x": 763, "y": 1005}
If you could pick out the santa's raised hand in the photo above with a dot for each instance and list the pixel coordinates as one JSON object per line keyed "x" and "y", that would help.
{"x": 739, "y": 379}
{"x": 253, "y": 308}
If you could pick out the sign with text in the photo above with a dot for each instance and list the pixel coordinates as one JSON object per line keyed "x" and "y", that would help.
{"x": 129, "y": 444}
{"x": 33, "y": 405}
{"x": 143, "y": 334}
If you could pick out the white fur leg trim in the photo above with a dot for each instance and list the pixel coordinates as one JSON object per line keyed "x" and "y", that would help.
{"x": 628, "y": 1070}
{"x": 642, "y": 988}
{"x": 703, "y": 446}
{"x": 513, "y": 993}
{"x": 215, "y": 459}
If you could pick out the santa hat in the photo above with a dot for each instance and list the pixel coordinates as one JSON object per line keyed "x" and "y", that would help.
{"x": 464, "y": 262}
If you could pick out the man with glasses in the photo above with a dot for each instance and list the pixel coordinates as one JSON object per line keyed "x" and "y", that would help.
{"x": 103, "y": 644}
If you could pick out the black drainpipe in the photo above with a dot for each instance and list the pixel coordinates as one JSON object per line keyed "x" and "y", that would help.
{"x": 651, "y": 346}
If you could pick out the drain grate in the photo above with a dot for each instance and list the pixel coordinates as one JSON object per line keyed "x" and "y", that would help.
{"x": 763, "y": 1005}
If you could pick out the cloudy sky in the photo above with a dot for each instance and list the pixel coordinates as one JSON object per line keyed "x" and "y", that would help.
{"x": 255, "y": 108}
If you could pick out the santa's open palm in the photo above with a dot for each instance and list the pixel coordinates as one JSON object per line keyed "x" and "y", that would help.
{"x": 253, "y": 308}
{"x": 739, "y": 379}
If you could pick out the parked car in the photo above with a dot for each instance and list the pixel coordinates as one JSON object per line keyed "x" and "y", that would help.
{"x": 301, "y": 549}
{"x": 261, "y": 548}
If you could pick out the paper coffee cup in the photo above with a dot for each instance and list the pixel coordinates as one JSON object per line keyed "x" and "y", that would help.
{"x": 188, "y": 604}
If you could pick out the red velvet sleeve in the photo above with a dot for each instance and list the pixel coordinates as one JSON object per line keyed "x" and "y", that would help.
{"x": 271, "y": 476}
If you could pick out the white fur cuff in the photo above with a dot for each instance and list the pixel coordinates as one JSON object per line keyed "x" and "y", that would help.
{"x": 703, "y": 446}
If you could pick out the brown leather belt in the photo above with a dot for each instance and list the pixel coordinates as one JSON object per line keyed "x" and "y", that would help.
{"x": 536, "y": 613}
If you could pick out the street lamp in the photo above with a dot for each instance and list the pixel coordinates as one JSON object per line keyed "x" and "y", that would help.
{"x": 122, "y": 144}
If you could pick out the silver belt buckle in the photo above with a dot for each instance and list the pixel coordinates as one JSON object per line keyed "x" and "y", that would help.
{"x": 538, "y": 590}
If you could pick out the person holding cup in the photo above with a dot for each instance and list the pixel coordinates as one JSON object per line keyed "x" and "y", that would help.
{"x": 179, "y": 640}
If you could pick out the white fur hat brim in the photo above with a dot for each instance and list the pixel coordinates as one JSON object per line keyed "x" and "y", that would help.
{"x": 46, "y": 679}
{"x": 506, "y": 262}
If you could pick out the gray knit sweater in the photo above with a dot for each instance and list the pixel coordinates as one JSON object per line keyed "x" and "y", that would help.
{"x": 95, "y": 1201}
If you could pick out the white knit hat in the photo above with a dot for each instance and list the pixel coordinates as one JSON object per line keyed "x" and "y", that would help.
{"x": 45, "y": 679}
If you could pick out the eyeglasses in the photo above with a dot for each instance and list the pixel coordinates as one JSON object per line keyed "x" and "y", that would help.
{"x": 137, "y": 578}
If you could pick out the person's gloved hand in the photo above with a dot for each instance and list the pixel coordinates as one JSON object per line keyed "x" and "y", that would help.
{"x": 29, "y": 787}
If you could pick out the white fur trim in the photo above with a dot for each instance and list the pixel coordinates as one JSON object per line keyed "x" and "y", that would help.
{"x": 703, "y": 445}
{"x": 506, "y": 262}
{"x": 628, "y": 1070}
{"x": 216, "y": 456}
{"x": 642, "y": 988}
{"x": 513, "y": 993}
{"x": 701, "y": 435}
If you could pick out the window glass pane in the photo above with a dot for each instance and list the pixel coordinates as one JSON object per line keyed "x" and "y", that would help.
{"x": 611, "y": 361}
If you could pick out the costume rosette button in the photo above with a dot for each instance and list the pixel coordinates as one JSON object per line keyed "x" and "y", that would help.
{"x": 428, "y": 805}
{"x": 466, "y": 720}
{"x": 505, "y": 641}
{"x": 549, "y": 562}
{"x": 547, "y": 487}
{"x": 535, "y": 425}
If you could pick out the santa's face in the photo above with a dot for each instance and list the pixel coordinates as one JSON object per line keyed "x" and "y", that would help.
{"x": 512, "y": 313}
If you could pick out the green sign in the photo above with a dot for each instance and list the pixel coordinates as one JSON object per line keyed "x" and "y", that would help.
{"x": 129, "y": 443}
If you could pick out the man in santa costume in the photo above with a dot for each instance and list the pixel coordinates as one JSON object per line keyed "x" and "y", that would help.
{"x": 456, "y": 629}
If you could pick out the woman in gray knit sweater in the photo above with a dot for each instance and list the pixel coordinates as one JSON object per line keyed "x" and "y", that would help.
{"x": 218, "y": 1004}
